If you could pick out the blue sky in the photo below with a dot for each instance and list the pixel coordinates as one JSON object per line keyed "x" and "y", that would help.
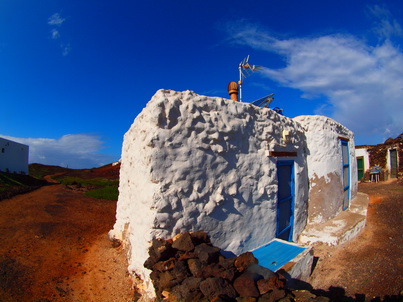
{"x": 74, "y": 74}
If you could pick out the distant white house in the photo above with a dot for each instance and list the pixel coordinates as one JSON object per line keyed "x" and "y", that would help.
{"x": 13, "y": 157}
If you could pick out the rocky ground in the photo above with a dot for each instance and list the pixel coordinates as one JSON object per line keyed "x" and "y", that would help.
{"x": 54, "y": 247}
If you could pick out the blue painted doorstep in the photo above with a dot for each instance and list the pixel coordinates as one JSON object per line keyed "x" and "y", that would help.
{"x": 276, "y": 253}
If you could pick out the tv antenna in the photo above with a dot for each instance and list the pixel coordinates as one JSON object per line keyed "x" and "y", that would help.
{"x": 246, "y": 69}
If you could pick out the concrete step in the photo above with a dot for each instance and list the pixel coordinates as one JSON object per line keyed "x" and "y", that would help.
{"x": 341, "y": 228}
{"x": 360, "y": 204}
{"x": 293, "y": 261}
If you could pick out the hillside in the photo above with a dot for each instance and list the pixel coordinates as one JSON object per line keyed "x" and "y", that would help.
{"x": 85, "y": 179}
{"x": 14, "y": 184}
{"x": 109, "y": 171}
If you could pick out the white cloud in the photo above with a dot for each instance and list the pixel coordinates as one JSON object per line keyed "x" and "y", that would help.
{"x": 71, "y": 150}
{"x": 55, "y": 33}
{"x": 363, "y": 84}
{"x": 56, "y": 19}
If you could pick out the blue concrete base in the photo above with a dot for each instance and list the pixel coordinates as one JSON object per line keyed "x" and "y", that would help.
{"x": 277, "y": 253}
{"x": 287, "y": 257}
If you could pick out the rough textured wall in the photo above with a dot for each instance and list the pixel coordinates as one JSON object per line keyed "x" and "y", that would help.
{"x": 378, "y": 155}
{"x": 325, "y": 166}
{"x": 192, "y": 162}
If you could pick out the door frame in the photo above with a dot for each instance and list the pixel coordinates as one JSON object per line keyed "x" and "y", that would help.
{"x": 290, "y": 227}
{"x": 346, "y": 187}
{"x": 363, "y": 167}
{"x": 394, "y": 151}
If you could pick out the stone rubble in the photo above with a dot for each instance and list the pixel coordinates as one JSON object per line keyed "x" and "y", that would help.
{"x": 189, "y": 268}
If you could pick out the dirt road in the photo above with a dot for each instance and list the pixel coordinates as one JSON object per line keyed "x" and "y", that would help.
{"x": 54, "y": 247}
{"x": 372, "y": 263}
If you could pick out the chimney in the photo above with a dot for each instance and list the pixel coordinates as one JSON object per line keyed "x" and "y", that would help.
{"x": 233, "y": 91}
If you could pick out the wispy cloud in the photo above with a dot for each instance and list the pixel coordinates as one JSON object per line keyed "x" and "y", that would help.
{"x": 363, "y": 84}
{"x": 66, "y": 48}
{"x": 72, "y": 150}
{"x": 56, "y": 19}
{"x": 55, "y": 33}
{"x": 386, "y": 26}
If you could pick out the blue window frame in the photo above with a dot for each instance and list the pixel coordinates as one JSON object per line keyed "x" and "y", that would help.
{"x": 285, "y": 200}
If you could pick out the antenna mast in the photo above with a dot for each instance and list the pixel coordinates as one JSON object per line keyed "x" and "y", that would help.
{"x": 245, "y": 69}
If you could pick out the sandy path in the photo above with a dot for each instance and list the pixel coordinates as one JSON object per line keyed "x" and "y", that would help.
{"x": 372, "y": 263}
{"x": 54, "y": 247}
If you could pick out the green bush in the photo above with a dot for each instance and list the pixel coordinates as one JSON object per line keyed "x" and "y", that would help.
{"x": 108, "y": 192}
{"x": 99, "y": 182}
{"x": 99, "y": 187}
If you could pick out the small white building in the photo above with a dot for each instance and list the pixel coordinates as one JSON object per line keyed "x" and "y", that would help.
{"x": 241, "y": 173}
{"x": 332, "y": 168}
{"x": 13, "y": 157}
{"x": 363, "y": 163}
{"x": 388, "y": 156}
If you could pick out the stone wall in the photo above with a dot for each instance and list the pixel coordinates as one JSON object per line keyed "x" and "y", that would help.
{"x": 189, "y": 268}
{"x": 379, "y": 155}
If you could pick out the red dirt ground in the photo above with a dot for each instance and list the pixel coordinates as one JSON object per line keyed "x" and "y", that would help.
{"x": 370, "y": 264}
{"x": 54, "y": 247}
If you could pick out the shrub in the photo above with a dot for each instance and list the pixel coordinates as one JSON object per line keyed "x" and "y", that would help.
{"x": 108, "y": 192}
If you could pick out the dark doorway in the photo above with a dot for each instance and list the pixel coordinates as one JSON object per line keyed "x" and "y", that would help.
{"x": 360, "y": 167}
{"x": 285, "y": 203}
{"x": 393, "y": 163}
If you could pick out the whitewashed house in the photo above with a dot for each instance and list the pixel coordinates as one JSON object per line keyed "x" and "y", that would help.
{"x": 13, "y": 157}
{"x": 363, "y": 163}
{"x": 332, "y": 168}
{"x": 387, "y": 156}
{"x": 242, "y": 173}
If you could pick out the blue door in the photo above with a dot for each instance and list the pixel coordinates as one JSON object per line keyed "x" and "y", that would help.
{"x": 285, "y": 199}
{"x": 346, "y": 173}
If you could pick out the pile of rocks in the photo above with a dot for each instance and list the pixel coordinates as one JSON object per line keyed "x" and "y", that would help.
{"x": 189, "y": 268}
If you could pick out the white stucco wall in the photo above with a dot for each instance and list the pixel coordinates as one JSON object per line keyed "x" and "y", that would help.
{"x": 364, "y": 153}
{"x": 13, "y": 156}
{"x": 324, "y": 158}
{"x": 192, "y": 162}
